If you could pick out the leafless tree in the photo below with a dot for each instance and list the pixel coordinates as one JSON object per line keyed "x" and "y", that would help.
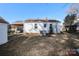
{"x": 74, "y": 8}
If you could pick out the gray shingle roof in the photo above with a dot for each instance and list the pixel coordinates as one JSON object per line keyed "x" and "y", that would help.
{"x": 3, "y": 21}
{"x": 41, "y": 20}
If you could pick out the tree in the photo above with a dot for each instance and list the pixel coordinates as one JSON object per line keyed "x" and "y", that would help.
{"x": 69, "y": 20}
{"x": 66, "y": 20}
{"x": 73, "y": 13}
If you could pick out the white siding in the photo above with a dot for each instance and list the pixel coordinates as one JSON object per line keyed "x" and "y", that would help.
{"x": 77, "y": 28}
{"x": 55, "y": 26}
{"x": 3, "y": 33}
{"x": 29, "y": 27}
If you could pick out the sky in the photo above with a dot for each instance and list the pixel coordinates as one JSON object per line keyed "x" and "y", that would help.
{"x": 12, "y": 12}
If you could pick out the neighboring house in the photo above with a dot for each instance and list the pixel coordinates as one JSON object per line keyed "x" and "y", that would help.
{"x": 3, "y": 31}
{"x": 74, "y": 27}
{"x": 37, "y": 25}
{"x": 76, "y": 23}
{"x": 17, "y": 27}
{"x": 77, "y": 26}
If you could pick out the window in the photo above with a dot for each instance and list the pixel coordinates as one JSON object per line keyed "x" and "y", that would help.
{"x": 45, "y": 25}
{"x": 35, "y": 26}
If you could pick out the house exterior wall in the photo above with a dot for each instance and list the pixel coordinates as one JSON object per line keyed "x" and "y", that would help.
{"x": 29, "y": 27}
{"x": 77, "y": 28}
{"x": 3, "y": 33}
{"x": 19, "y": 29}
{"x": 76, "y": 22}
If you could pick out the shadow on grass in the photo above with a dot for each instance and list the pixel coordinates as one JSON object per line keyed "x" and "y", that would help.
{"x": 70, "y": 43}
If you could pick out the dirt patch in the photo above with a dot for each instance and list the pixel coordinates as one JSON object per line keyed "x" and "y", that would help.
{"x": 56, "y": 45}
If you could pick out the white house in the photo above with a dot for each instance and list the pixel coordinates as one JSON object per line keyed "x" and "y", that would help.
{"x": 36, "y": 25}
{"x": 3, "y": 31}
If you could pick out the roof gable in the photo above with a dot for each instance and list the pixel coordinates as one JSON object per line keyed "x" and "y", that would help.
{"x": 3, "y": 21}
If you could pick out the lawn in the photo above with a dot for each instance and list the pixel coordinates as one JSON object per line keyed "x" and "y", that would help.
{"x": 56, "y": 45}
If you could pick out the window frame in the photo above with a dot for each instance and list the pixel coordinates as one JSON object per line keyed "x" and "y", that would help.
{"x": 35, "y": 26}
{"x": 45, "y": 25}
